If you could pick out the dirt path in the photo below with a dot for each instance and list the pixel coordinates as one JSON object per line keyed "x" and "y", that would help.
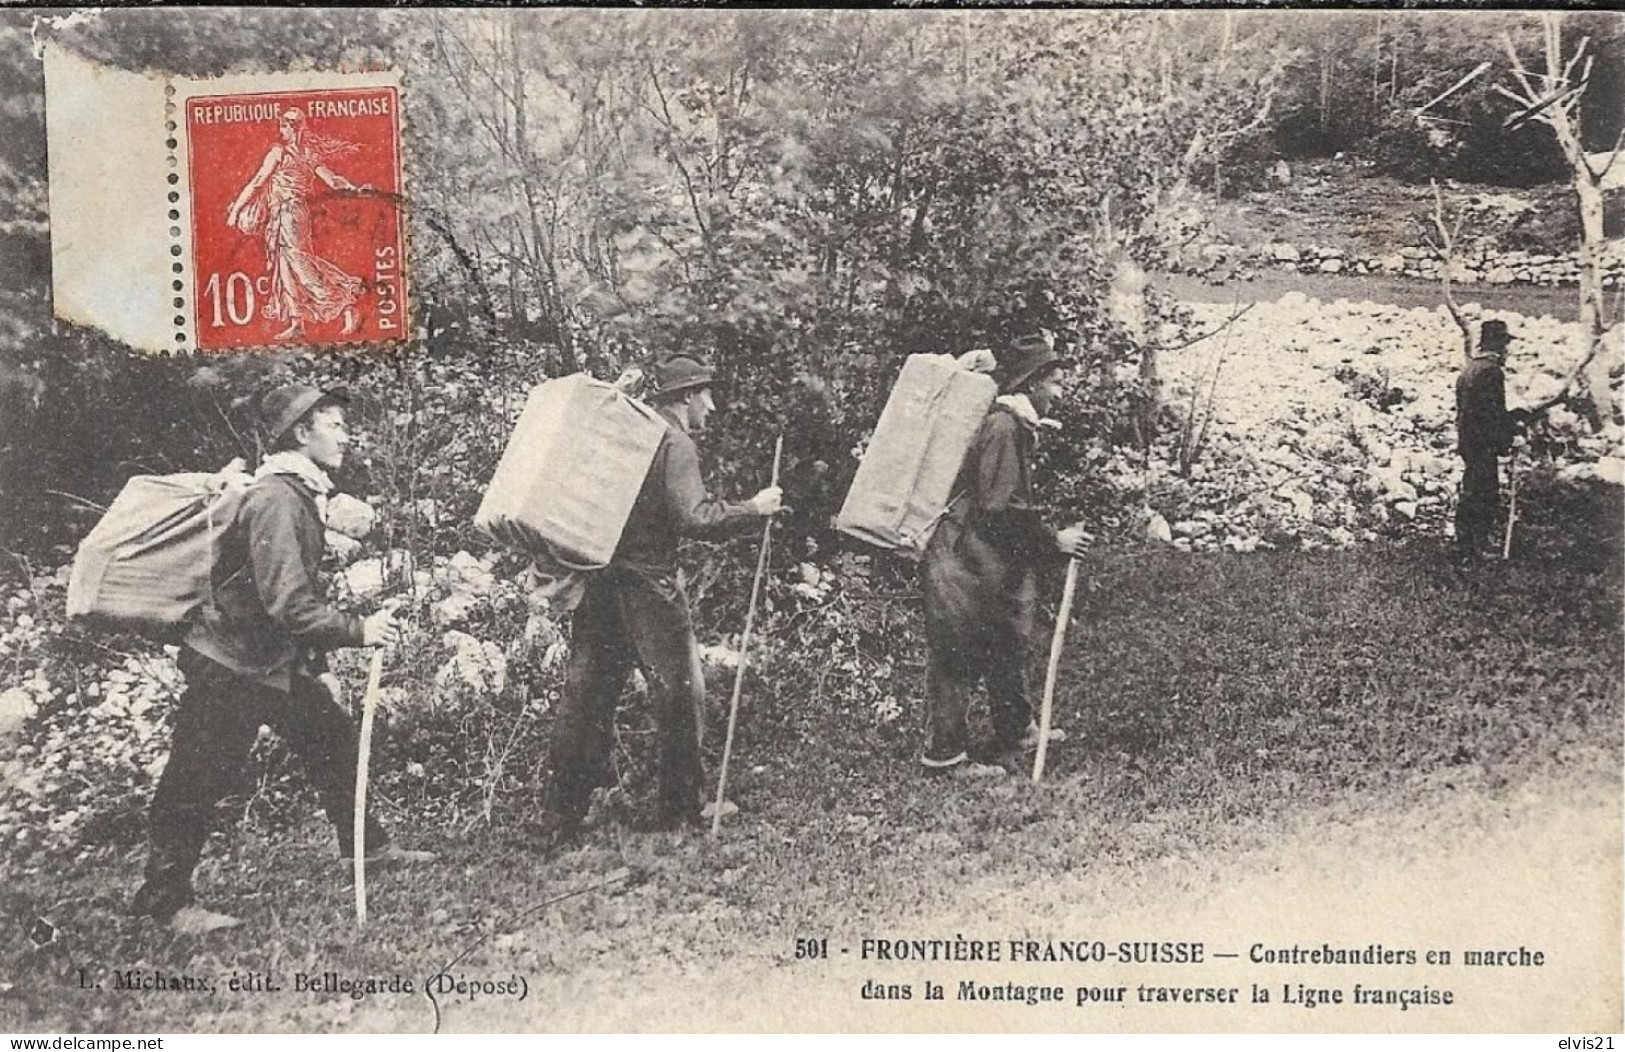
{"x": 1451, "y": 865}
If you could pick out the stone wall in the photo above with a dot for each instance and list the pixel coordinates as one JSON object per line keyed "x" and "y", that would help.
{"x": 1504, "y": 268}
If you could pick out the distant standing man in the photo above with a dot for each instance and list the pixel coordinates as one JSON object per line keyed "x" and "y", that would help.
{"x": 257, "y": 658}
{"x": 981, "y": 565}
{"x": 635, "y": 612}
{"x": 1484, "y": 432}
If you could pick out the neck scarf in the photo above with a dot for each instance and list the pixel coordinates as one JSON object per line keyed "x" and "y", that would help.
{"x": 292, "y": 462}
{"x": 1022, "y": 407}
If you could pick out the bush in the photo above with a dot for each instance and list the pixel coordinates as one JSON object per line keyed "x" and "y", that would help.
{"x": 1406, "y": 149}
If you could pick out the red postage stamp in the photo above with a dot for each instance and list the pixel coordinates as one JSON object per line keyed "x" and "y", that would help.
{"x": 296, "y": 219}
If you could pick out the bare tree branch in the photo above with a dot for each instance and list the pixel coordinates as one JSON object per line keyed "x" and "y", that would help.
{"x": 670, "y": 124}
{"x": 1235, "y": 316}
{"x": 1446, "y": 248}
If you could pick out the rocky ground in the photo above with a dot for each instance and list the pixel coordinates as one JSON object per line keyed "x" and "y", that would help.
{"x": 1332, "y": 423}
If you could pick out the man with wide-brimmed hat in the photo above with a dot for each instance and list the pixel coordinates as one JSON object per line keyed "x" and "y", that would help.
{"x": 635, "y": 613}
{"x": 255, "y": 658}
{"x": 980, "y": 572}
{"x": 1484, "y": 432}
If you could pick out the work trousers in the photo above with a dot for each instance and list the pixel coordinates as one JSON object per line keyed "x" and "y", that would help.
{"x": 1478, "y": 509}
{"x": 215, "y": 726}
{"x": 996, "y": 653}
{"x": 628, "y": 619}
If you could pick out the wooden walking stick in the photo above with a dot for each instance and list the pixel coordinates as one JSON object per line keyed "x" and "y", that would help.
{"x": 1055, "y": 644}
{"x": 369, "y": 705}
{"x": 1512, "y": 508}
{"x": 744, "y": 651}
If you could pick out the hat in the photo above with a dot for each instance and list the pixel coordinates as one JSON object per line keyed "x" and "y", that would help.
{"x": 1494, "y": 328}
{"x": 680, "y": 372}
{"x": 286, "y": 406}
{"x": 1023, "y": 357}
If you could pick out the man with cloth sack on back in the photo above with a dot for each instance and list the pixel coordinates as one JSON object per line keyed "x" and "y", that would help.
{"x": 257, "y": 657}
{"x": 981, "y": 588}
{"x": 635, "y": 612}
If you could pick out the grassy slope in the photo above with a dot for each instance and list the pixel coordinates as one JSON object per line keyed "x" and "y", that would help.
{"x": 1206, "y": 695}
{"x": 1329, "y": 205}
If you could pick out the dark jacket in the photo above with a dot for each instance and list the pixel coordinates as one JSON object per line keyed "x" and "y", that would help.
{"x": 270, "y": 620}
{"x": 673, "y": 504}
{"x": 979, "y": 566}
{"x": 1484, "y": 428}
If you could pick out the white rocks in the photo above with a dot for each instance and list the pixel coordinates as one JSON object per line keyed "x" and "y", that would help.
{"x": 480, "y": 667}
{"x": 454, "y": 609}
{"x": 1351, "y": 440}
{"x": 470, "y": 574}
{"x": 16, "y": 705}
{"x": 720, "y": 655}
{"x": 1303, "y": 505}
{"x": 1607, "y": 469}
{"x": 343, "y": 548}
{"x": 349, "y": 516}
{"x": 365, "y": 578}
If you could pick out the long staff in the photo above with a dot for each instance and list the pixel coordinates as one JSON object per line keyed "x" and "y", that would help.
{"x": 369, "y": 705}
{"x": 744, "y": 651}
{"x": 1056, "y": 642}
{"x": 1512, "y": 508}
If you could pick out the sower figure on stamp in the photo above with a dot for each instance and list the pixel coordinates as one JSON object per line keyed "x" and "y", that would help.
{"x": 1484, "y": 433}
{"x": 635, "y": 612}
{"x": 256, "y": 657}
{"x": 305, "y": 287}
{"x": 980, "y": 574}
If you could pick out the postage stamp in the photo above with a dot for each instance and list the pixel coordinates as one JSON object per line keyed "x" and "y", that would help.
{"x": 295, "y": 218}
{"x": 258, "y": 210}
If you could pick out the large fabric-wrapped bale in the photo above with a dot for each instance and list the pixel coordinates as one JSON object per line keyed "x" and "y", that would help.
{"x": 147, "y": 563}
{"x": 570, "y": 474}
{"x": 907, "y": 473}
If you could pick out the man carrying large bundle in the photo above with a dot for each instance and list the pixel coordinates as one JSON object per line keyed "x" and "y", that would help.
{"x": 980, "y": 572}
{"x": 635, "y": 612}
{"x": 256, "y": 657}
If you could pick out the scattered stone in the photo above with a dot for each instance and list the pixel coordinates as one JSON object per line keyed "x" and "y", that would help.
{"x": 481, "y": 667}
{"x": 349, "y": 516}
{"x": 343, "y": 548}
{"x": 365, "y": 578}
{"x": 16, "y": 705}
